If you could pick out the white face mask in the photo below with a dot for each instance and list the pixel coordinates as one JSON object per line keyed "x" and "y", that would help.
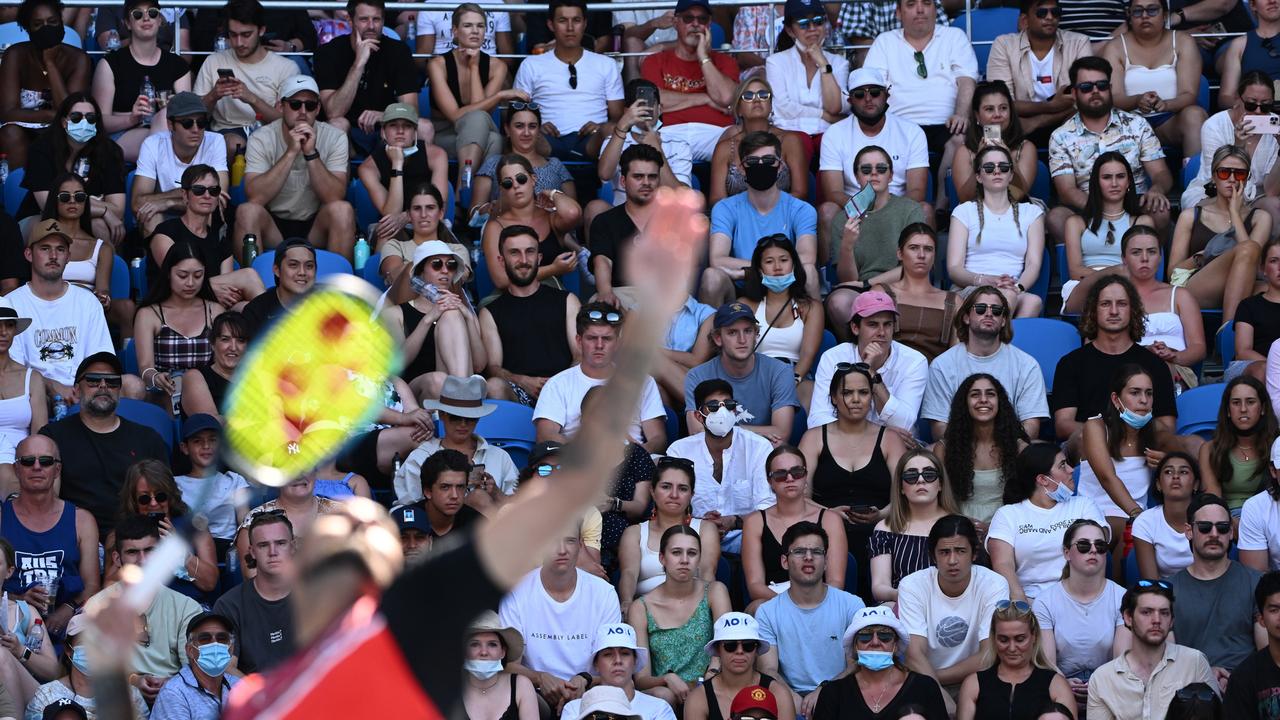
{"x": 720, "y": 422}
{"x": 483, "y": 669}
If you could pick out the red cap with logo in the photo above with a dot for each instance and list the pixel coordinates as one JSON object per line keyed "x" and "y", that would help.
{"x": 754, "y": 697}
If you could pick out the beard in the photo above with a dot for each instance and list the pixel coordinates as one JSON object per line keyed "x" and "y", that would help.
{"x": 870, "y": 118}
{"x": 1102, "y": 111}
{"x": 524, "y": 280}
{"x": 102, "y": 405}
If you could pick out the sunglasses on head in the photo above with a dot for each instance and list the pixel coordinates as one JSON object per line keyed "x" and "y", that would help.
{"x": 861, "y": 93}
{"x": 1205, "y": 526}
{"x": 1256, "y": 105}
{"x": 714, "y": 405}
{"x": 1239, "y": 174}
{"x": 1148, "y": 11}
{"x": 1019, "y": 606}
{"x": 601, "y": 715}
{"x": 545, "y": 469}
{"x": 610, "y": 318}
{"x": 296, "y": 105}
{"x": 187, "y": 123}
{"x": 521, "y": 105}
{"x": 1203, "y": 694}
{"x": 815, "y": 21}
{"x": 77, "y": 196}
{"x": 151, "y": 13}
{"x": 915, "y": 477}
{"x": 667, "y": 461}
{"x": 519, "y": 179}
{"x": 1098, "y": 546}
{"x": 77, "y": 116}
{"x": 1099, "y": 85}
{"x": 766, "y": 160}
{"x": 44, "y": 460}
{"x": 982, "y": 308}
{"x": 198, "y": 190}
{"x": 991, "y": 167}
{"x": 111, "y": 380}
{"x": 878, "y": 168}
{"x": 750, "y": 95}
{"x": 1045, "y": 12}
{"x": 796, "y": 471}
{"x": 1155, "y": 584}
{"x": 159, "y": 497}
{"x": 858, "y": 366}
{"x": 884, "y": 636}
{"x": 747, "y": 646}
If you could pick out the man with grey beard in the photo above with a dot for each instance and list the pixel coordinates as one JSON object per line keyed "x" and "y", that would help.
{"x": 98, "y": 445}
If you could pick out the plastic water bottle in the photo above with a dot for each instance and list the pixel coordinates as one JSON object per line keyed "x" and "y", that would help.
{"x": 361, "y": 251}
{"x": 464, "y": 190}
{"x": 4, "y": 169}
{"x": 35, "y": 638}
{"x": 149, "y": 90}
{"x": 137, "y": 275}
{"x": 59, "y": 407}
{"x": 250, "y": 250}
{"x": 81, "y": 168}
{"x": 113, "y": 40}
{"x": 395, "y": 464}
{"x": 220, "y": 43}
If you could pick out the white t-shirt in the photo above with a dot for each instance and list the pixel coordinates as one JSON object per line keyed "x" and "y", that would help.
{"x": 62, "y": 333}
{"x": 1003, "y": 250}
{"x": 1260, "y": 526}
{"x": 440, "y": 24}
{"x": 1082, "y": 632}
{"x": 744, "y": 487}
{"x": 1035, "y": 533}
{"x": 902, "y": 139}
{"x": 640, "y": 17}
{"x": 953, "y": 627}
{"x": 156, "y": 159}
{"x": 947, "y": 58}
{"x": 558, "y": 635}
{"x": 1173, "y": 550}
{"x": 646, "y": 706}
{"x": 263, "y": 79}
{"x": 1042, "y": 75}
{"x": 546, "y": 78}
{"x": 229, "y": 492}
{"x": 561, "y": 401}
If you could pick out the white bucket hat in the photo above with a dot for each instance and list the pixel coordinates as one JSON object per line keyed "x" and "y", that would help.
{"x": 606, "y": 699}
{"x": 868, "y": 617}
{"x": 736, "y": 626}
{"x": 619, "y": 635}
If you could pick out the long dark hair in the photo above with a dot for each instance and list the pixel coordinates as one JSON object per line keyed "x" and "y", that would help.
{"x": 1111, "y": 414}
{"x": 51, "y": 201}
{"x": 753, "y": 287}
{"x": 1155, "y": 494}
{"x": 1093, "y": 203}
{"x": 101, "y": 150}
{"x": 1226, "y": 436}
{"x": 162, "y": 289}
{"x": 959, "y": 437}
{"x": 1035, "y": 460}
{"x": 1011, "y": 135}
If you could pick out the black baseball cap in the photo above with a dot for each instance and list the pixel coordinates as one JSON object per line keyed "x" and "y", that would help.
{"x": 288, "y": 245}
{"x": 99, "y": 357}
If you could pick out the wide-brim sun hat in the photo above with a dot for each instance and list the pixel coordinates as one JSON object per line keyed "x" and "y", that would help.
{"x": 870, "y": 617}
{"x": 491, "y": 623}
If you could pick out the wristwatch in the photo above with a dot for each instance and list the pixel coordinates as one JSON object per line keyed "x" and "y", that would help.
{"x": 394, "y": 173}
{"x": 312, "y": 156}
{"x": 26, "y": 655}
{"x": 827, "y": 69}
{"x": 876, "y": 379}
{"x": 1019, "y": 286}
{"x": 1182, "y": 15}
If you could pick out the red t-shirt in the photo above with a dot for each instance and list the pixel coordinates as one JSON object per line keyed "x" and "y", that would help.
{"x": 671, "y": 73}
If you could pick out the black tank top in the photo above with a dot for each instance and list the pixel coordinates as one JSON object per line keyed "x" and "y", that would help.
{"x": 129, "y": 74}
{"x": 513, "y": 711}
{"x": 451, "y": 78}
{"x": 999, "y": 699}
{"x": 425, "y": 361}
{"x": 532, "y": 331}
{"x": 416, "y": 171}
{"x": 771, "y": 551}
{"x": 713, "y": 705}
{"x": 868, "y": 485}
{"x": 217, "y": 386}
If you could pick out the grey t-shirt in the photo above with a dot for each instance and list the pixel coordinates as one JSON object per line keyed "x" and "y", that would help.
{"x": 770, "y": 385}
{"x": 1216, "y": 617}
{"x": 264, "y": 628}
{"x": 1018, "y": 373}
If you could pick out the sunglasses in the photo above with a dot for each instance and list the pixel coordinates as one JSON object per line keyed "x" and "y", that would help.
{"x": 692, "y": 18}
{"x": 108, "y": 379}
{"x": 77, "y": 116}
{"x": 1268, "y": 45}
{"x": 44, "y": 460}
{"x": 1204, "y": 527}
{"x": 198, "y": 190}
{"x": 915, "y": 477}
{"x": 667, "y": 461}
{"x": 921, "y": 70}
{"x": 1240, "y": 175}
{"x": 714, "y": 405}
{"x": 1255, "y": 105}
{"x": 747, "y": 646}
{"x": 750, "y": 95}
{"x": 296, "y": 105}
{"x": 545, "y": 469}
{"x": 878, "y": 168}
{"x": 457, "y": 418}
{"x": 1045, "y": 12}
{"x": 521, "y": 105}
{"x": 159, "y": 497}
{"x": 982, "y": 308}
{"x": 79, "y": 196}
{"x": 573, "y": 77}
{"x": 756, "y": 160}
{"x": 611, "y": 318}
{"x": 1155, "y": 584}
{"x": 1098, "y": 546}
{"x": 858, "y": 367}
{"x": 874, "y": 92}
{"x": 811, "y": 22}
{"x": 796, "y": 471}
{"x": 991, "y": 168}
{"x": 1203, "y": 694}
{"x": 187, "y": 123}
{"x": 442, "y": 263}
{"x": 520, "y": 179}
{"x": 205, "y": 638}
{"x": 884, "y": 636}
{"x": 806, "y": 552}
{"x": 151, "y": 14}
{"x": 1019, "y": 606}
{"x": 1147, "y": 11}
{"x": 1099, "y": 85}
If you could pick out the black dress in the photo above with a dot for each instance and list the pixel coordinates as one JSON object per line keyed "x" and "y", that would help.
{"x": 999, "y": 699}
{"x": 425, "y": 361}
{"x": 713, "y": 705}
{"x": 842, "y": 700}
{"x": 771, "y": 551}
{"x": 833, "y": 485}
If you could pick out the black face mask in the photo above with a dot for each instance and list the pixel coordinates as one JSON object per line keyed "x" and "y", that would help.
{"x": 47, "y": 37}
{"x": 761, "y": 177}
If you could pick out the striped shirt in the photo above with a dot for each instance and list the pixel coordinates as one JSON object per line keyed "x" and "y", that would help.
{"x": 1094, "y": 18}
{"x": 909, "y": 552}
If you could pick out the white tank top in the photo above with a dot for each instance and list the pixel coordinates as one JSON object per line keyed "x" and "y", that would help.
{"x": 83, "y": 272}
{"x": 15, "y": 412}
{"x": 651, "y": 572}
{"x": 1132, "y": 471}
{"x": 781, "y": 343}
{"x": 1162, "y": 79}
{"x": 1166, "y": 327}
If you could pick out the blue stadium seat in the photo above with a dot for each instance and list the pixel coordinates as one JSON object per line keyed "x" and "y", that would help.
{"x": 371, "y": 273}
{"x": 987, "y": 25}
{"x": 1202, "y": 97}
{"x": 717, "y": 35}
{"x": 12, "y": 33}
{"x": 145, "y": 413}
{"x": 1040, "y": 189}
{"x": 1190, "y": 170}
{"x": 362, "y": 203}
{"x": 851, "y": 576}
{"x": 673, "y": 423}
{"x": 1046, "y": 340}
{"x": 327, "y": 263}
{"x": 606, "y": 192}
{"x": 14, "y": 193}
{"x": 129, "y": 357}
{"x": 424, "y": 101}
{"x": 130, "y": 221}
{"x": 1198, "y": 409}
{"x": 1131, "y": 573}
{"x": 1227, "y": 342}
{"x": 510, "y": 427}
{"x": 828, "y": 341}
{"x": 119, "y": 278}
{"x": 1040, "y": 287}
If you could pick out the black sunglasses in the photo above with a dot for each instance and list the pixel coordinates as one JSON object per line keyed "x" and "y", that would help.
{"x": 1254, "y": 106}
{"x": 796, "y": 471}
{"x": 573, "y": 77}
{"x": 610, "y": 318}
{"x": 1045, "y": 12}
{"x": 151, "y": 13}
{"x": 766, "y": 160}
{"x": 1099, "y": 546}
{"x": 714, "y": 405}
{"x": 1088, "y": 87}
{"x": 885, "y": 636}
{"x": 747, "y": 646}
{"x": 1203, "y": 694}
{"x": 878, "y": 168}
{"x": 201, "y": 122}
{"x": 44, "y": 460}
{"x": 915, "y": 477}
{"x": 205, "y": 638}
{"x": 668, "y": 461}
{"x": 1204, "y": 526}
{"x": 859, "y": 367}
{"x": 1149, "y": 11}
{"x": 77, "y": 116}
{"x": 691, "y": 18}
{"x": 78, "y": 196}
{"x": 199, "y": 190}
{"x": 296, "y": 105}
{"x": 520, "y": 179}
{"x": 1003, "y": 167}
{"x": 982, "y": 308}
{"x": 861, "y": 93}
{"x": 159, "y": 497}
{"x": 109, "y": 379}
{"x": 442, "y": 263}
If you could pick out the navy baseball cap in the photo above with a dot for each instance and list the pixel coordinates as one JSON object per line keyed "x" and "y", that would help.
{"x": 288, "y": 245}
{"x": 732, "y": 312}
{"x": 199, "y": 422}
{"x": 803, "y": 9}
{"x": 542, "y": 451}
{"x": 105, "y": 357}
{"x": 683, "y": 5}
{"x": 60, "y": 707}
{"x": 411, "y": 516}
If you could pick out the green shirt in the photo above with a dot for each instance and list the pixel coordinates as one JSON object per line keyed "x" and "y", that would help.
{"x": 877, "y": 248}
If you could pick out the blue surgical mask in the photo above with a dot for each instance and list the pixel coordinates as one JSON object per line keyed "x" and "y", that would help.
{"x": 1061, "y": 494}
{"x": 214, "y": 659}
{"x": 483, "y": 669}
{"x": 778, "y": 283}
{"x": 80, "y": 658}
{"x": 875, "y": 660}
{"x": 1133, "y": 419}
{"x": 410, "y": 150}
{"x": 82, "y": 132}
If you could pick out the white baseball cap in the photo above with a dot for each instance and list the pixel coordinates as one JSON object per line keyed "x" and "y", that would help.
{"x": 736, "y": 626}
{"x": 619, "y": 635}
{"x": 864, "y": 76}
{"x": 606, "y": 699}
{"x": 878, "y": 615}
{"x": 297, "y": 84}
{"x": 1275, "y": 454}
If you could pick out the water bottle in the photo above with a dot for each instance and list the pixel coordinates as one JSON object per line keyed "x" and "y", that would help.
{"x": 361, "y": 251}
{"x": 618, "y": 30}
{"x": 59, "y": 407}
{"x": 237, "y": 167}
{"x": 113, "y": 40}
{"x": 220, "y": 43}
{"x": 35, "y": 638}
{"x": 149, "y": 91}
{"x": 250, "y": 250}
{"x": 395, "y": 464}
{"x": 4, "y": 169}
{"x": 81, "y": 168}
{"x": 137, "y": 275}
{"x": 464, "y": 190}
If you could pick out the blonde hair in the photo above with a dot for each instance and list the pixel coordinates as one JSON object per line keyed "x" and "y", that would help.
{"x": 900, "y": 509}
{"x": 981, "y": 192}
{"x": 742, "y": 86}
{"x": 1012, "y": 614}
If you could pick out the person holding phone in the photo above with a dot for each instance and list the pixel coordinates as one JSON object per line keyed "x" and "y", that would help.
{"x": 1248, "y": 123}
{"x": 994, "y": 122}
{"x": 641, "y": 124}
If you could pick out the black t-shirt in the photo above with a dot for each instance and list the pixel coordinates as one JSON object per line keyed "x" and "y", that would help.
{"x": 1254, "y": 690}
{"x": 842, "y": 699}
{"x": 1264, "y": 316}
{"x": 611, "y": 233}
{"x": 264, "y": 628}
{"x": 129, "y": 75}
{"x": 212, "y": 249}
{"x": 13, "y": 263}
{"x": 1083, "y": 380}
{"x": 416, "y": 171}
{"x": 262, "y": 310}
{"x": 389, "y": 74}
{"x": 94, "y": 464}
{"x": 42, "y": 168}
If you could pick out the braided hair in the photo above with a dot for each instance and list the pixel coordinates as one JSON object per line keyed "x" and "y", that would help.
{"x": 980, "y": 200}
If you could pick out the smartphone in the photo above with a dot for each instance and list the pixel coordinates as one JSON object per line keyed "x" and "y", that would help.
{"x": 647, "y": 94}
{"x": 156, "y": 516}
{"x": 269, "y": 36}
{"x": 476, "y": 477}
{"x": 862, "y": 509}
{"x": 861, "y": 202}
{"x": 991, "y": 132}
{"x": 226, "y": 73}
{"x": 1264, "y": 124}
